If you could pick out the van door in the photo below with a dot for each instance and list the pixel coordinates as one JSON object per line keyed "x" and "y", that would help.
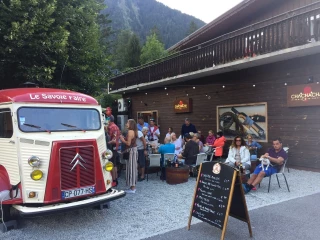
{"x": 8, "y": 149}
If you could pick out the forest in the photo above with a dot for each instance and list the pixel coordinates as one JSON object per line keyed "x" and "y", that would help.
{"x": 79, "y": 45}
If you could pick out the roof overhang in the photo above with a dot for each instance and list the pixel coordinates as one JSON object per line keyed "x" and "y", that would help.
{"x": 187, "y": 41}
{"x": 282, "y": 55}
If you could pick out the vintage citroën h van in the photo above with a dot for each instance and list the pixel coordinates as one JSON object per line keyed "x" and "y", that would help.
{"x": 53, "y": 154}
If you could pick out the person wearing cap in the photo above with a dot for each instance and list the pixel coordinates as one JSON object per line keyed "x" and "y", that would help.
{"x": 113, "y": 144}
{"x": 190, "y": 151}
{"x": 187, "y": 127}
{"x": 141, "y": 123}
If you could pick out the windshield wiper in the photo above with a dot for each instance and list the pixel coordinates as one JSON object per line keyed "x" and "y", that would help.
{"x": 35, "y": 126}
{"x": 71, "y": 126}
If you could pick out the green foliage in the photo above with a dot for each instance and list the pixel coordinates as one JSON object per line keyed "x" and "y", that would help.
{"x": 55, "y": 43}
{"x": 134, "y": 51}
{"x": 109, "y": 100}
{"x": 121, "y": 49}
{"x": 152, "y": 50}
{"x": 30, "y": 40}
{"x": 127, "y": 50}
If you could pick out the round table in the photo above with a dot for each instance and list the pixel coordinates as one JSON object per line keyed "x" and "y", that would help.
{"x": 177, "y": 175}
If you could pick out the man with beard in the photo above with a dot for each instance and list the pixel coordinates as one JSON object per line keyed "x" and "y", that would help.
{"x": 276, "y": 156}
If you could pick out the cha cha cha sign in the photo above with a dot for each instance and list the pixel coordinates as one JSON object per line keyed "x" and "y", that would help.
{"x": 303, "y": 95}
{"x": 182, "y": 105}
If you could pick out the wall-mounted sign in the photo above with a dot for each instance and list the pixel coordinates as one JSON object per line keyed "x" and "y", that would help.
{"x": 303, "y": 95}
{"x": 182, "y": 105}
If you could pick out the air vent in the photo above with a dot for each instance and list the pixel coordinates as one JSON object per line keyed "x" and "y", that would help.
{"x": 24, "y": 140}
{"x": 42, "y": 143}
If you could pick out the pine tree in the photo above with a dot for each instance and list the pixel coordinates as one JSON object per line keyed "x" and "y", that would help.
{"x": 152, "y": 50}
{"x": 134, "y": 51}
{"x": 192, "y": 28}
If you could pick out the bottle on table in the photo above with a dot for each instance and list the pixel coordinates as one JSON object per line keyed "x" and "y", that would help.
{"x": 241, "y": 168}
{"x": 176, "y": 163}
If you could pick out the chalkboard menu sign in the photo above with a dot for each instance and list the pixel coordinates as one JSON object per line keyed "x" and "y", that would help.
{"x": 218, "y": 194}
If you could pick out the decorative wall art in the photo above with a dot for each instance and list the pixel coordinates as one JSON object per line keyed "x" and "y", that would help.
{"x": 243, "y": 119}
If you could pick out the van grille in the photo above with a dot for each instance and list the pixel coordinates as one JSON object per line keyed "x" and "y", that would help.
{"x": 83, "y": 173}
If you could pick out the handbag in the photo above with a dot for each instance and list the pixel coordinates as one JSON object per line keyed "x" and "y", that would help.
{"x": 125, "y": 154}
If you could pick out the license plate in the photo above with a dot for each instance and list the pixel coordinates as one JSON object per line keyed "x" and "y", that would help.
{"x": 77, "y": 192}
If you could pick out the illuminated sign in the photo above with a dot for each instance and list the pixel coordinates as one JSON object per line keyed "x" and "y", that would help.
{"x": 183, "y": 105}
{"x": 303, "y": 95}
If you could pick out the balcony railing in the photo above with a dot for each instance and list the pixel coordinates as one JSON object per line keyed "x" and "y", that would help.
{"x": 291, "y": 31}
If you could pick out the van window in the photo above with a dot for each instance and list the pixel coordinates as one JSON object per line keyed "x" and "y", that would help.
{"x": 6, "y": 129}
{"x": 40, "y": 119}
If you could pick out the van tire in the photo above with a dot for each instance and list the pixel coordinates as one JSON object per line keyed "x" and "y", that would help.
{"x": 6, "y": 213}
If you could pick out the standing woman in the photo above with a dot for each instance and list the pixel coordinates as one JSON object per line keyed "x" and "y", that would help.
{"x": 130, "y": 141}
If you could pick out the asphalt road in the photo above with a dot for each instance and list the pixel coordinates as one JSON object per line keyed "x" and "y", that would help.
{"x": 293, "y": 219}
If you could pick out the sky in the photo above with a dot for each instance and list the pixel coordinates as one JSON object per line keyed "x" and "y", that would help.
{"x": 206, "y": 10}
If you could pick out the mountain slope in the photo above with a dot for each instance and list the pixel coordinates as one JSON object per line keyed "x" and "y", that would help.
{"x": 141, "y": 16}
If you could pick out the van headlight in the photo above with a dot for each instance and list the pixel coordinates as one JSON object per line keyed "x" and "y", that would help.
{"x": 108, "y": 167}
{"x": 34, "y": 161}
{"x": 36, "y": 175}
{"x": 107, "y": 154}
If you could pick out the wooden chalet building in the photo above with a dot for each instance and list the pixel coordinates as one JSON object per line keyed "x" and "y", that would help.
{"x": 255, "y": 69}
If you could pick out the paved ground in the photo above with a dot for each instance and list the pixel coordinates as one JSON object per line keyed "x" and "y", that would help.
{"x": 293, "y": 219}
{"x": 158, "y": 208}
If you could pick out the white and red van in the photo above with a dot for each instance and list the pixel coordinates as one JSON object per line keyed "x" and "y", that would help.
{"x": 53, "y": 154}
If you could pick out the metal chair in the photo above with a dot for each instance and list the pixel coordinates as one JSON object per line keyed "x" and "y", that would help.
{"x": 154, "y": 161}
{"x": 210, "y": 152}
{"x": 280, "y": 172}
{"x": 286, "y": 149}
{"x": 201, "y": 157}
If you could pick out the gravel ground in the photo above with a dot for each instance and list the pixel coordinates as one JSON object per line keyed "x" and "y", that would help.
{"x": 155, "y": 208}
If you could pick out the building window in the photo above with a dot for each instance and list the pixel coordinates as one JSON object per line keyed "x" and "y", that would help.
{"x": 6, "y": 129}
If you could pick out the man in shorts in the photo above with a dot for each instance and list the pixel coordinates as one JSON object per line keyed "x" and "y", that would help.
{"x": 113, "y": 144}
{"x": 277, "y": 156}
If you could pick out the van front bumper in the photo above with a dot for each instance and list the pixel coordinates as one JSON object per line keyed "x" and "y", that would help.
{"x": 92, "y": 201}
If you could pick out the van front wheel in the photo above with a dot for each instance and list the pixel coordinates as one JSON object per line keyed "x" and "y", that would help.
{"x": 5, "y": 213}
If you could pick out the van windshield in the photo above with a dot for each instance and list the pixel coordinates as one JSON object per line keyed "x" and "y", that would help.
{"x": 39, "y": 119}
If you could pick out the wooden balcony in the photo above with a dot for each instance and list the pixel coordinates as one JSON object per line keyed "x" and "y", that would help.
{"x": 280, "y": 34}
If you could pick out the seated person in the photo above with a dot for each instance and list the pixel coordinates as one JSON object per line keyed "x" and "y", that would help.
{"x": 196, "y": 138}
{"x": 210, "y": 139}
{"x": 219, "y": 144}
{"x": 190, "y": 151}
{"x": 177, "y": 143}
{"x": 167, "y": 147}
{"x": 201, "y": 137}
{"x": 253, "y": 147}
{"x": 239, "y": 153}
{"x": 277, "y": 156}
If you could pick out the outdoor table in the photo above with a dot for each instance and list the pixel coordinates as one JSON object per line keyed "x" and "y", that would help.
{"x": 177, "y": 175}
